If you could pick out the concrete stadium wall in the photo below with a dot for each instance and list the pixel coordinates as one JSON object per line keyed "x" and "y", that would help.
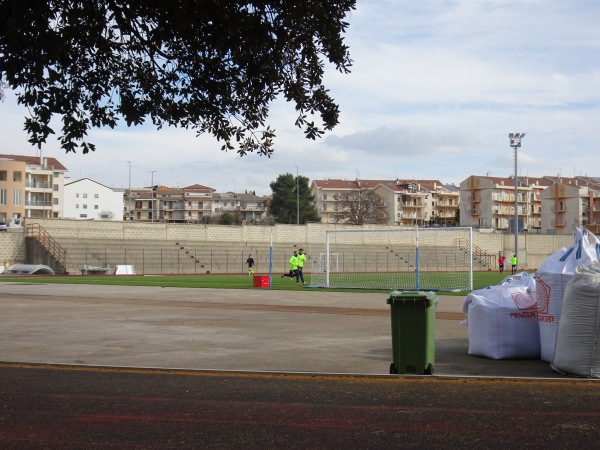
{"x": 533, "y": 249}
{"x": 12, "y": 248}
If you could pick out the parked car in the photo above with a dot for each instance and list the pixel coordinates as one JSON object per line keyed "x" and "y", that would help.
{"x": 3, "y": 226}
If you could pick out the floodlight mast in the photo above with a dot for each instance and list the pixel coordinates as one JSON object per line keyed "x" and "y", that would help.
{"x": 515, "y": 142}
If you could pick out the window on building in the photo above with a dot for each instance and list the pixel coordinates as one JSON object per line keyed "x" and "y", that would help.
{"x": 3, "y": 175}
{"x": 325, "y": 207}
{"x": 76, "y": 205}
{"x": 85, "y": 206}
{"x": 77, "y": 195}
{"x": 55, "y": 201}
{"x": 55, "y": 187}
{"x": 200, "y": 205}
{"x": 18, "y": 176}
{"x": 95, "y": 206}
{"x": 56, "y": 174}
{"x": 96, "y": 196}
{"x": 84, "y": 195}
{"x": 2, "y": 196}
{"x": 83, "y": 216}
{"x": 16, "y": 197}
{"x": 324, "y": 196}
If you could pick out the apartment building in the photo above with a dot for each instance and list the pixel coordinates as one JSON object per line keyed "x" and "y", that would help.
{"x": 553, "y": 205}
{"x": 87, "y": 199}
{"x": 489, "y": 202}
{"x": 169, "y": 204}
{"x": 569, "y": 203}
{"x": 197, "y": 203}
{"x": 249, "y": 207}
{"x": 139, "y": 204}
{"x": 407, "y": 202}
{"x": 30, "y": 187}
{"x": 329, "y": 193}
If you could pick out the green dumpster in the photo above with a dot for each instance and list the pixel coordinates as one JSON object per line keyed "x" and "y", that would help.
{"x": 413, "y": 331}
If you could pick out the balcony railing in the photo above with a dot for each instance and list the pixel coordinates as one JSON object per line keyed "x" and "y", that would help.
{"x": 38, "y": 185}
{"x": 39, "y": 204}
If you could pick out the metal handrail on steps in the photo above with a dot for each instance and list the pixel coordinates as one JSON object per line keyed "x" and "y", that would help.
{"x": 36, "y": 231}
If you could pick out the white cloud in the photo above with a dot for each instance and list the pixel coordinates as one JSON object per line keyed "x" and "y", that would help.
{"x": 435, "y": 89}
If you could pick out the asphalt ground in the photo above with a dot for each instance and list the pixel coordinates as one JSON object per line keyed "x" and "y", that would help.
{"x": 242, "y": 330}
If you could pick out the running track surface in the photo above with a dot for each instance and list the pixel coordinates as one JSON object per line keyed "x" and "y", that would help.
{"x": 67, "y": 407}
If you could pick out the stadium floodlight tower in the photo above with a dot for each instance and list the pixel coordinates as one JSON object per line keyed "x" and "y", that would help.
{"x": 515, "y": 142}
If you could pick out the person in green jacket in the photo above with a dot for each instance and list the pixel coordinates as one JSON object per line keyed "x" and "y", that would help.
{"x": 301, "y": 261}
{"x": 513, "y": 263}
{"x": 293, "y": 267}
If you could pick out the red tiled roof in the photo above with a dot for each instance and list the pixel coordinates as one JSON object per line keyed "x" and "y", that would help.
{"x": 35, "y": 161}
{"x": 198, "y": 187}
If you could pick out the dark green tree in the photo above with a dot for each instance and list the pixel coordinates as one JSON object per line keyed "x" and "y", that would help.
{"x": 214, "y": 66}
{"x": 284, "y": 205}
{"x": 229, "y": 218}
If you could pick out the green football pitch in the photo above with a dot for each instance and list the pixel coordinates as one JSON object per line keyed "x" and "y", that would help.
{"x": 480, "y": 280}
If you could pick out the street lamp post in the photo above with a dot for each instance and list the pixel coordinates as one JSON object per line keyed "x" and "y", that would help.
{"x": 129, "y": 207}
{"x": 297, "y": 198}
{"x": 152, "y": 187}
{"x": 515, "y": 142}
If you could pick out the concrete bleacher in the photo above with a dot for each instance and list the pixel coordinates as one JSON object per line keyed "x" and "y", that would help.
{"x": 203, "y": 257}
{"x": 173, "y": 257}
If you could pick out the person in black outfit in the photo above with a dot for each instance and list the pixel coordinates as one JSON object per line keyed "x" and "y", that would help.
{"x": 250, "y": 262}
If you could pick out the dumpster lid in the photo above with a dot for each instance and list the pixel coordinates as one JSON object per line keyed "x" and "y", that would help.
{"x": 415, "y": 296}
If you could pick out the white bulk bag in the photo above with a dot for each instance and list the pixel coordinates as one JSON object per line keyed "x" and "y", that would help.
{"x": 502, "y": 320}
{"x": 578, "y": 333}
{"x": 551, "y": 280}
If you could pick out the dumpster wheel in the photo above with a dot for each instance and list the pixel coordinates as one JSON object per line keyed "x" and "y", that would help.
{"x": 429, "y": 369}
{"x": 393, "y": 370}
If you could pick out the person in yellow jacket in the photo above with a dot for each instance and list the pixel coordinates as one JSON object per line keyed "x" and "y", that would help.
{"x": 293, "y": 268}
{"x": 513, "y": 263}
{"x": 301, "y": 261}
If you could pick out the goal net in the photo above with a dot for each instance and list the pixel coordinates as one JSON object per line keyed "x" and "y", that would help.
{"x": 433, "y": 259}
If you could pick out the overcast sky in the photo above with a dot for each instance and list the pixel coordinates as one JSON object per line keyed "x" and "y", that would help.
{"x": 435, "y": 88}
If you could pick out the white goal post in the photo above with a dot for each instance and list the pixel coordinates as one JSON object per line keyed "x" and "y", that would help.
{"x": 432, "y": 259}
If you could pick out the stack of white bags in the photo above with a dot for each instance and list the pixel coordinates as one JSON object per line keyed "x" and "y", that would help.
{"x": 554, "y": 315}
{"x": 551, "y": 282}
{"x": 503, "y": 320}
{"x": 577, "y": 351}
